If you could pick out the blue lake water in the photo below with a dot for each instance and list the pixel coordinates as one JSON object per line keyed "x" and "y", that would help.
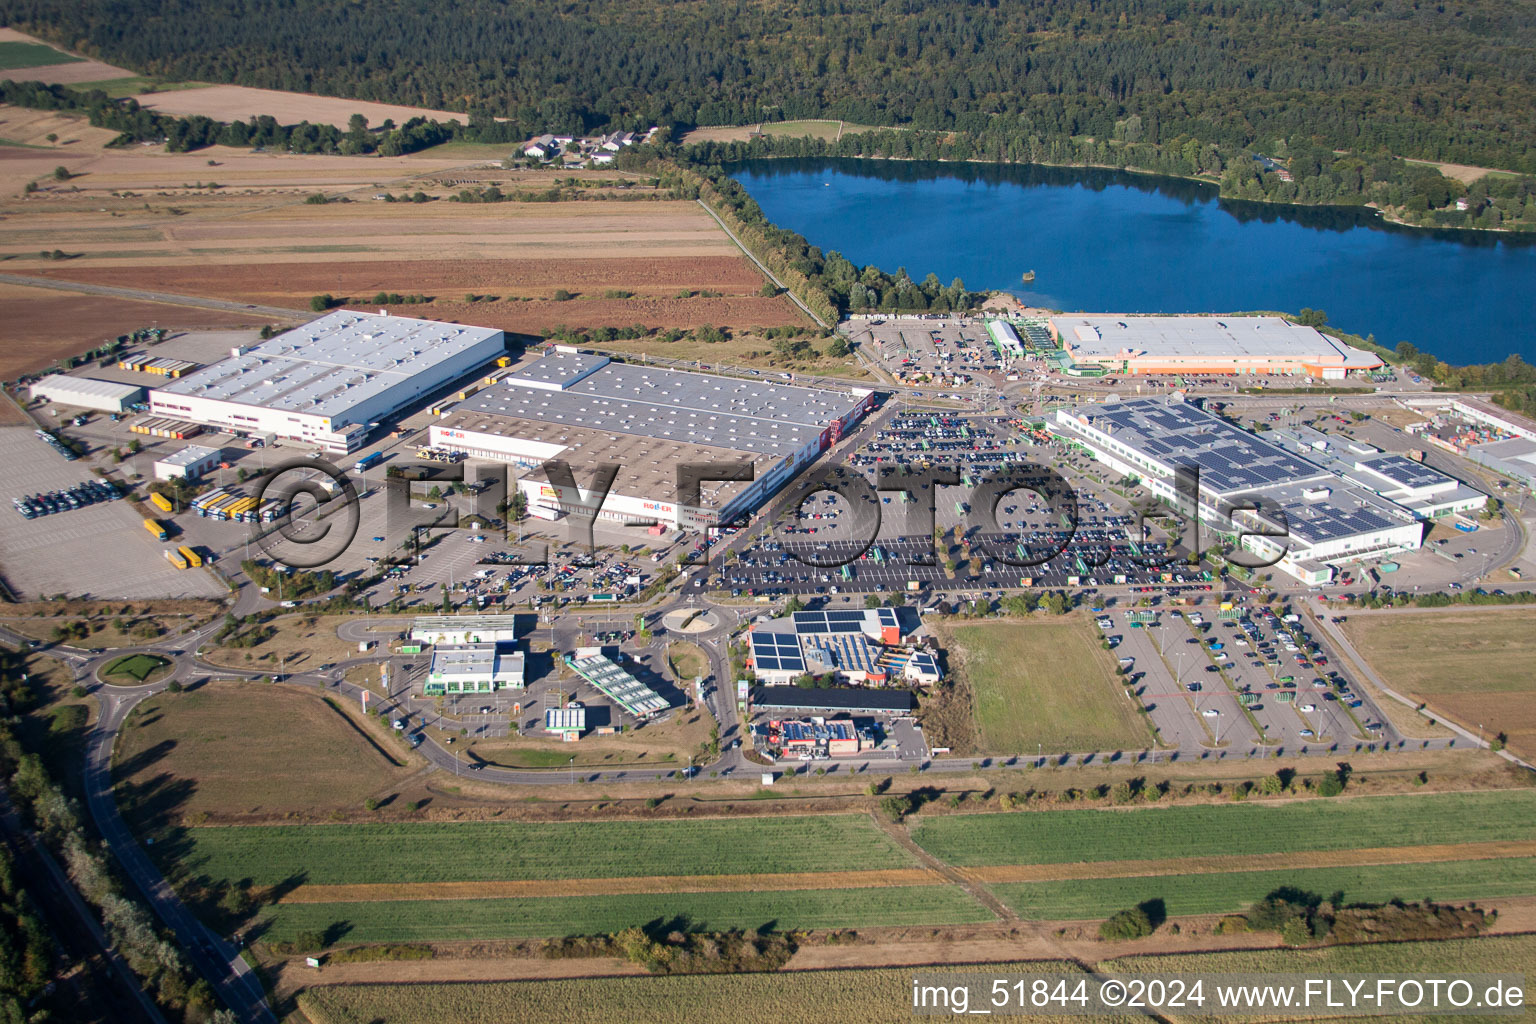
{"x": 1109, "y": 242}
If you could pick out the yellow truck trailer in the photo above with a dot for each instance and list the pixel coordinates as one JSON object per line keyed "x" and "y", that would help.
{"x": 161, "y": 502}
{"x": 155, "y": 529}
{"x": 175, "y": 559}
{"x": 192, "y": 557}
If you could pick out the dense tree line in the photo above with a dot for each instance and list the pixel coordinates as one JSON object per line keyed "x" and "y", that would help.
{"x": 1435, "y": 81}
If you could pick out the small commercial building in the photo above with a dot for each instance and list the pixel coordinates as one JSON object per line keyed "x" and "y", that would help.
{"x": 473, "y": 668}
{"x": 191, "y": 463}
{"x": 856, "y": 700}
{"x": 838, "y": 737}
{"x": 616, "y": 683}
{"x": 855, "y": 645}
{"x": 87, "y": 393}
{"x": 470, "y": 629}
{"x": 569, "y": 721}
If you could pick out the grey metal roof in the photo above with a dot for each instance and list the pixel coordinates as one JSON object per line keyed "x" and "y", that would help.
{"x": 62, "y": 384}
{"x": 614, "y": 398}
{"x": 191, "y": 455}
{"x": 332, "y": 364}
{"x": 560, "y": 368}
{"x": 1346, "y": 510}
{"x": 1120, "y": 335}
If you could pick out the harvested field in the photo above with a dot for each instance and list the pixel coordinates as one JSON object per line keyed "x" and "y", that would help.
{"x": 184, "y": 755}
{"x": 448, "y": 280}
{"x": 870, "y": 996}
{"x": 20, "y": 126}
{"x": 44, "y": 326}
{"x": 226, "y": 228}
{"x": 241, "y": 103}
{"x": 1476, "y": 672}
{"x": 814, "y": 129}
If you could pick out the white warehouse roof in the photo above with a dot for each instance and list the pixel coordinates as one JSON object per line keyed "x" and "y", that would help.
{"x": 331, "y": 365}
{"x": 1118, "y": 336}
{"x": 58, "y": 387}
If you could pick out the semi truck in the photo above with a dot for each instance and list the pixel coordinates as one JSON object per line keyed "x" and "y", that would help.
{"x": 155, "y": 529}
{"x": 366, "y": 461}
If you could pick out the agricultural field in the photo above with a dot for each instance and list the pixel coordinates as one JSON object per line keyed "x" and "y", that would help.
{"x": 812, "y": 129}
{"x": 1501, "y": 954}
{"x": 489, "y": 919}
{"x": 47, "y": 325}
{"x": 232, "y": 748}
{"x": 1045, "y": 683}
{"x": 241, "y": 103}
{"x": 849, "y": 997}
{"x": 1063, "y": 837}
{"x": 25, "y": 58}
{"x": 1475, "y": 669}
{"x": 491, "y": 851}
{"x": 1213, "y": 893}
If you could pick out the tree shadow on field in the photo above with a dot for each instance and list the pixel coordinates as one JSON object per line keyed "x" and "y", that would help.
{"x": 128, "y": 767}
{"x": 155, "y": 803}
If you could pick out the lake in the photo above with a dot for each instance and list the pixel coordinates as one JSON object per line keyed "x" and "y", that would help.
{"x": 1112, "y": 242}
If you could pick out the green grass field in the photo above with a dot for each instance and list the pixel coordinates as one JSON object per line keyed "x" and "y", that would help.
{"x": 480, "y": 851}
{"x": 1047, "y": 683}
{"x": 16, "y": 55}
{"x": 1225, "y": 893}
{"x": 135, "y": 666}
{"x": 447, "y": 920}
{"x": 848, "y": 997}
{"x": 1154, "y": 833}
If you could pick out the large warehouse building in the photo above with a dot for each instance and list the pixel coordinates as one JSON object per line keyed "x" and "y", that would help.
{"x": 587, "y": 410}
{"x": 1328, "y": 519}
{"x": 329, "y": 382}
{"x": 87, "y": 392}
{"x": 1206, "y": 344}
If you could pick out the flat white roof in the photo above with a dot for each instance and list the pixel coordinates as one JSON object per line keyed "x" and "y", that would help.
{"x": 191, "y": 455}
{"x": 332, "y": 364}
{"x": 59, "y": 383}
{"x": 1124, "y": 336}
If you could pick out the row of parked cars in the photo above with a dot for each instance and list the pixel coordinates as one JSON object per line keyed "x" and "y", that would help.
{"x": 58, "y": 446}
{"x": 78, "y": 496}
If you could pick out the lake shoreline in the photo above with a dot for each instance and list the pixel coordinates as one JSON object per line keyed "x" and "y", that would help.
{"x": 1215, "y": 183}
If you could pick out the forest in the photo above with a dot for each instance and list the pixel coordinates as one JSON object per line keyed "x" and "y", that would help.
{"x": 1448, "y": 82}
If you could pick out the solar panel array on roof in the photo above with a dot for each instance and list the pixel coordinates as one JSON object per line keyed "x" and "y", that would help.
{"x": 1405, "y": 472}
{"x": 846, "y": 652}
{"x": 1176, "y": 433}
{"x": 829, "y": 621}
{"x": 776, "y": 652}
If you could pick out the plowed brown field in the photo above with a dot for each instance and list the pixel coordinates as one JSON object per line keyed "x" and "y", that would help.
{"x": 41, "y": 324}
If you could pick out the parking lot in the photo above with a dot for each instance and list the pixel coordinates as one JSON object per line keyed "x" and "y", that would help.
{"x": 64, "y": 550}
{"x": 1238, "y": 680}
